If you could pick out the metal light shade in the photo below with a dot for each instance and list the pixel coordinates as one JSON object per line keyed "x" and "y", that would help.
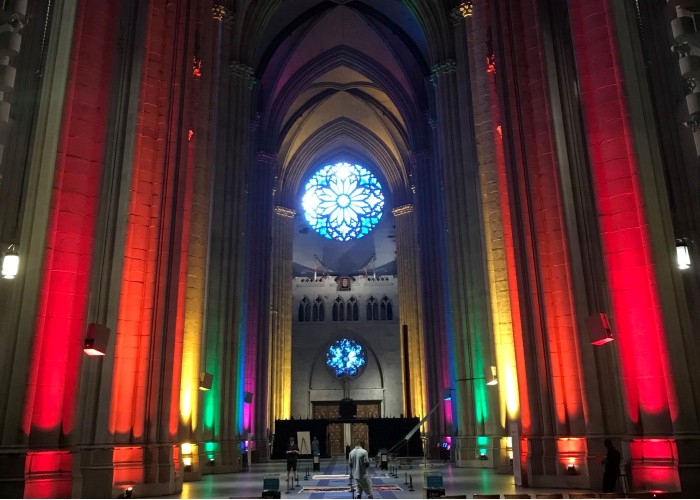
{"x": 494, "y": 379}
{"x": 10, "y": 264}
{"x": 682, "y": 255}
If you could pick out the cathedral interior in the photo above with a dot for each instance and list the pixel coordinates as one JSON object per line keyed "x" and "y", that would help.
{"x": 217, "y": 216}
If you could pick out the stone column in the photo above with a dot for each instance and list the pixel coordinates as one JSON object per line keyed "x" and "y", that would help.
{"x": 410, "y": 305}
{"x": 498, "y": 240}
{"x": 468, "y": 313}
{"x": 260, "y": 214}
{"x": 225, "y": 327}
{"x": 281, "y": 315}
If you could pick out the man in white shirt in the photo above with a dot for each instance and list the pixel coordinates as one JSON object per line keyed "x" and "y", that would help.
{"x": 359, "y": 464}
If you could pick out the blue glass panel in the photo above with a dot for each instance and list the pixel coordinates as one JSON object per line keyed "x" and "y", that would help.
{"x": 343, "y": 202}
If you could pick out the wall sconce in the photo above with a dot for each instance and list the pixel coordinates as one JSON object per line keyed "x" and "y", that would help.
{"x": 129, "y": 492}
{"x": 447, "y": 394}
{"x": 682, "y": 254}
{"x": 599, "y": 329}
{"x": 187, "y": 456}
{"x": 493, "y": 380}
{"x": 10, "y": 263}
{"x": 96, "y": 340}
{"x": 248, "y": 398}
{"x": 571, "y": 467}
{"x": 205, "y": 381}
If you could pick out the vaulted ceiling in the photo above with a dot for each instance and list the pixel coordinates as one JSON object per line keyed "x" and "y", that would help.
{"x": 340, "y": 80}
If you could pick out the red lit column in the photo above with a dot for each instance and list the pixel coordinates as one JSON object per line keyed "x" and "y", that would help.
{"x": 650, "y": 397}
{"x": 49, "y": 414}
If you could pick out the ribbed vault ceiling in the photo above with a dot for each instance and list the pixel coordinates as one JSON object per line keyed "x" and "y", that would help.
{"x": 340, "y": 80}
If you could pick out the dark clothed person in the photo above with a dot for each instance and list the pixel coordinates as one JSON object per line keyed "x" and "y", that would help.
{"x": 612, "y": 467}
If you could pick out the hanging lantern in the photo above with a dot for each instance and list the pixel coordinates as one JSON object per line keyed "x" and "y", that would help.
{"x": 682, "y": 254}
{"x": 10, "y": 263}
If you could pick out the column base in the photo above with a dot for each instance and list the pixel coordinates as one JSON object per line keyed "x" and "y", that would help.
{"x": 12, "y": 463}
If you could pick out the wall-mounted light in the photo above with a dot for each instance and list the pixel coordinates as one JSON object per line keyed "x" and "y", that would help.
{"x": 128, "y": 492}
{"x": 187, "y": 456}
{"x": 248, "y": 398}
{"x": 447, "y": 394}
{"x": 599, "y": 329}
{"x": 682, "y": 254}
{"x": 493, "y": 379}
{"x": 205, "y": 381}
{"x": 571, "y": 467}
{"x": 10, "y": 263}
{"x": 96, "y": 340}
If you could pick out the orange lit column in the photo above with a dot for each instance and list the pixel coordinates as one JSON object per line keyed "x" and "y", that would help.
{"x": 146, "y": 385}
{"x": 50, "y": 406}
{"x": 650, "y": 396}
{"x": 546, "y": 305}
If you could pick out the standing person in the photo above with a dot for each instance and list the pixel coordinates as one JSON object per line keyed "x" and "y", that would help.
{"x": 292, "y": 456}
{"x": 612, "y": 467}
{"x": 359, "y": 463}
{"x": 315, "y": 447}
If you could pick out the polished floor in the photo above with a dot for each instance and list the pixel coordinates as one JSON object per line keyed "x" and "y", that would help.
{"x": 457, "y": 481}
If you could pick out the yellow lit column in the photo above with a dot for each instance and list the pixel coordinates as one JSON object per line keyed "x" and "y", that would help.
{"x": 280, "y": 367}
{"x": 490, "y": 153}
{"x": 410, "y": 306}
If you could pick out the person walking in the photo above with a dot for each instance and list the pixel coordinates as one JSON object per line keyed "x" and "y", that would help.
{"x": 612, "y": 467}
{"x": 359, "y": 465}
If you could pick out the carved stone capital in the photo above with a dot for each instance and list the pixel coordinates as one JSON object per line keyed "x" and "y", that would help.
{"x": 443, "y": 68}
{"x": 244, "y": 71}
{"x": 461, "y": 12}
{"x": 402, "y": 210}
{"x": 418, "y": 156}
{"x": 265, "y": 157}
{"x": 285, "y": 212}
{"x": 223, "y": 14}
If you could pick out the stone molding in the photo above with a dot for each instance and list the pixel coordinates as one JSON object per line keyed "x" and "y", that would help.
{"x": 244, "y": 71}
{"x": 461, "y": 12}
{"x": 285, "y": 212}
{"x": 443, "y": 68}
{"x": 402, "y": 210}
{"x": 265, "y": 157}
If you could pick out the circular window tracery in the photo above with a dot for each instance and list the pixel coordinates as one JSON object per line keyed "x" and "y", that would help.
{"x": 343, "y": 202}
{"x": 346, "y": 358}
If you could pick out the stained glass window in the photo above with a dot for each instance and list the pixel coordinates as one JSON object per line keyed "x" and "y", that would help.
{"x": 346, "y": 358}
{"x": 343, "y": 202}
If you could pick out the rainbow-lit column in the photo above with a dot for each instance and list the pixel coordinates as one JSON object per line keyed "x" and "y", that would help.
{"x": 468, "y": 315}
{"x": 498, "y": 239}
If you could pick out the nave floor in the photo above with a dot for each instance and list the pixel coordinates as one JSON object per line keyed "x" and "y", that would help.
{"x": 457, "y": 481}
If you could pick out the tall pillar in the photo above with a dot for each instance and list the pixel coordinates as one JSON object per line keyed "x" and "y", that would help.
{"x": 429, "y": 212}
{"x": 260, "y": 214}
{"x": 629, "y": 210}
{"x": 469, "y": 325}
{"x": 24, "y": 223}
{"x": 148, "y": 353}
{"x": 471, "y": 36}
{"x": 223, "y": 405}
{"x": 411, "y": 306}
{"x": 280, "y": 368}
{"x": 203, "y": 97}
